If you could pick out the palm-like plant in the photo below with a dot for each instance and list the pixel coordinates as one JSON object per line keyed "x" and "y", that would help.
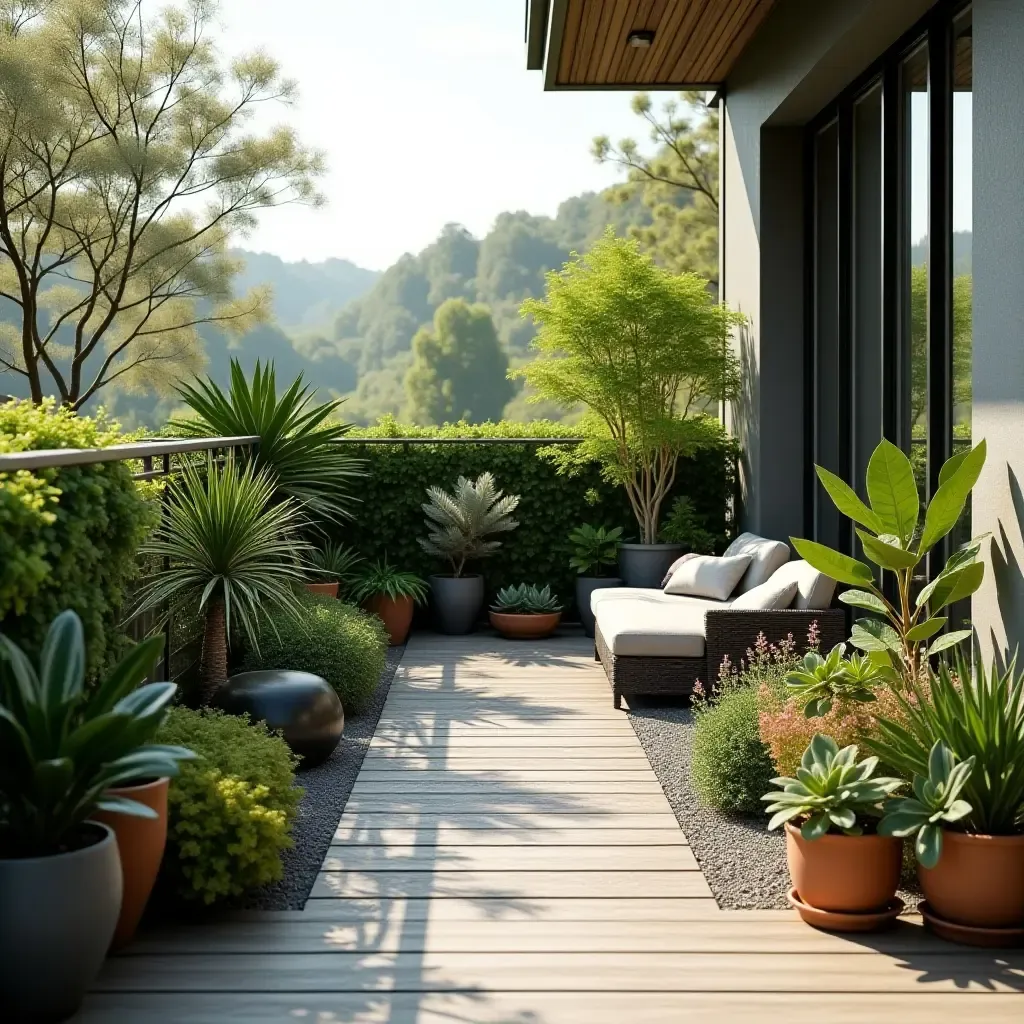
{"x": 334, "y": 562}
{"x": 298, "y": 446}
{"x": 459, "y": 523}
{"x": 382, "y": 579}
{"x": 231, "y": 553}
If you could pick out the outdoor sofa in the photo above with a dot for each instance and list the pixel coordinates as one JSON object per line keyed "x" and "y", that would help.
{"x": 653, "y": 643}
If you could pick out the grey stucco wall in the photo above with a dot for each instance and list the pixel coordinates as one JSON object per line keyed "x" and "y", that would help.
{"x": 998, "y": 267}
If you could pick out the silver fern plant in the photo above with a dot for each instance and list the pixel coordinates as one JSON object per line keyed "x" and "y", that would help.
{"x": 459, "y": 523}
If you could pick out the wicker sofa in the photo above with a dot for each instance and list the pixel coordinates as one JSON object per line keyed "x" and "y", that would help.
{"x": 652, "y": 643}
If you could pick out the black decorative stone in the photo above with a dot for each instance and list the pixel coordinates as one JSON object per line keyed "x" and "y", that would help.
{"x": 301, "y": 705}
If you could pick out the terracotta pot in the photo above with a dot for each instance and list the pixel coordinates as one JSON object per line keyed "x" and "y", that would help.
{"x": 845, "y": 874}
{"x": 395, "y": 613}
{"x": 140, "y": 842}
{"x": 525, "y": 627}
{"x": 978, "y": 881}
{"x": 327, "y": 589}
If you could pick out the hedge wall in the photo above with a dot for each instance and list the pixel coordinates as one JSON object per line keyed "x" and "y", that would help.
{"x": 68, "y": 536}
{"x": 389, "y": 518}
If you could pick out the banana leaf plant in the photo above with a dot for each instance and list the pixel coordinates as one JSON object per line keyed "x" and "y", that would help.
{"x": 896, "y": 537}
{"x": 62, "y": 746}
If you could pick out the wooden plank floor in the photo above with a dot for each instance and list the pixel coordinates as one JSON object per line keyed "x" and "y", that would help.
{"x": 507, "y": 856}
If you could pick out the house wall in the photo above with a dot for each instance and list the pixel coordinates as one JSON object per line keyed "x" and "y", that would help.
{"x": 998, "y": 329}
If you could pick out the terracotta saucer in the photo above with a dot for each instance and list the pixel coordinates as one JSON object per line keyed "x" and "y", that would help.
{"x": 830, "y": 921}
{"x": 969, "y": 936}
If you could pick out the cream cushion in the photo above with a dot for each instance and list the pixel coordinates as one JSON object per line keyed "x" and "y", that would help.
{"x": 599, "y": 597}
{"x": 708, "y": 576}
{"x": 770, "y": 596}
{"x": 765, "y": 557}
{"x": 814, "y": 589}
{"x": 654, "y": 628}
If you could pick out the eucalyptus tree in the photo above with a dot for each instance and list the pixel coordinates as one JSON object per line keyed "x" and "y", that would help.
{"x": 127, "y": 161}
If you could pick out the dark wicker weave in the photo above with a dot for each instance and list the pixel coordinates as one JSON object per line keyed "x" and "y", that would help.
{"x": 727, "y": 633}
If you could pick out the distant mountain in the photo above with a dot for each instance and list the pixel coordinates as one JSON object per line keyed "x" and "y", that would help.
{"x": 962, "y": 249}
{"x": 305, "y": 294}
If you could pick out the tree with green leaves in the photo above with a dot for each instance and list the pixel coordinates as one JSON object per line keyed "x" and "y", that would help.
{"x": 678, "y": 181}
{"x": 127, "y": 162}
{"x": 906, "y": 630}
{"x": 459, "y": 369}
{"x": 646, "y": 351}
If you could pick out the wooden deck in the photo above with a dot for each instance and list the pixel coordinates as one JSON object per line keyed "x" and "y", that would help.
{"x": 508, "y": 857}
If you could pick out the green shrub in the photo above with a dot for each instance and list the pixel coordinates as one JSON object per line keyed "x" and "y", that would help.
{"x": 341, "y": 643}
{"x": 231, "y": 811}
{"x": 731, "y": 767}
{"x": 68, "y": 535}
{"x": 389, "y": 520}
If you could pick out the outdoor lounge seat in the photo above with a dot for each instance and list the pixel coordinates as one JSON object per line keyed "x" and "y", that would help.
{"x": 651, "y": 643}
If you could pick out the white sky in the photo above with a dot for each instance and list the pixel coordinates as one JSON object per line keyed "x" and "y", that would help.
{"x": 427, "y": 115}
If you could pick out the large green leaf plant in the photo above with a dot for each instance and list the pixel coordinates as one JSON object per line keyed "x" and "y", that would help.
{"x": 896, "y": 537}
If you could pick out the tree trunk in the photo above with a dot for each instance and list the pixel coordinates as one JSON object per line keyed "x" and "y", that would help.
{"x": 213, "y": 668}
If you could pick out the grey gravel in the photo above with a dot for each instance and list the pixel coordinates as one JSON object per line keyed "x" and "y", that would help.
{"x": 327, "y": 790}
{"x": 744, "y": 864}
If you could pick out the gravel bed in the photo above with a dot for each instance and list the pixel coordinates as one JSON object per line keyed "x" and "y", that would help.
{"x": 327, "y": 788}
{"x": 743, "y": 862}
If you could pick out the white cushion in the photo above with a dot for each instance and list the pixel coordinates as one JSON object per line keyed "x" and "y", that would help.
{"x": 708, "y": 576}
{"x": 654, "y": 629}
{"x": 765, "y": 557}
{"x": 769, "y": 596}
{"x": 599, "y": 597}
{"x": 814, "y": 589}
{"x": 675, "y": 565}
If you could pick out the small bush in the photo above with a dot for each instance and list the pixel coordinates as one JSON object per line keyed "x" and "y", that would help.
{"x": 231, "y": 811}
{"x": 337, "y": 641}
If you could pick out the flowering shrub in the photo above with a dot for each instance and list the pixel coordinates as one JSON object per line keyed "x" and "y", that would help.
{"x": 230, "y": 812}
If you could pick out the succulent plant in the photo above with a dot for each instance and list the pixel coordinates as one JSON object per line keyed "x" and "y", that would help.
{"x": 526, "y": 599}
{"x": 832, "y": 790}
{"x": 819, "y": 681}
{"x": 936, "y": 802}
{"x": 62, "y": 746}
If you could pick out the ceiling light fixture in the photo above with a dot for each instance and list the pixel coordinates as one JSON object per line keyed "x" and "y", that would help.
{"x": 641, "y": 39}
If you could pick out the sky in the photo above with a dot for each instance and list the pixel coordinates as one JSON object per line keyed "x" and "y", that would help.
{"x": 426, "y": 114}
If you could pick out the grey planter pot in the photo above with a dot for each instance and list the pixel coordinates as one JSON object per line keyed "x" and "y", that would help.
{"x": 58, "y": 918}
{"x": 645, "y": 565}
{"x": 585, "y": 586}
{"x": 456, "y": 602}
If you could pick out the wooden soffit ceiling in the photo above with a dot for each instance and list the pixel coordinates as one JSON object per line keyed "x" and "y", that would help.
{"x": 694, "y": 43}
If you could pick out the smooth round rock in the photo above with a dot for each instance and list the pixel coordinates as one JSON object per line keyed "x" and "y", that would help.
{"x": 302, "y": 706}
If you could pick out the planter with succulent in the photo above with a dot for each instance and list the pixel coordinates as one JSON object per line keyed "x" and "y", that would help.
{"x": 391, "y": 594}
{"x": 962, "y": 742}
{"x": 525, "y": 612}
{"x": 458, "y": 526}
{"x": 594, "y": 548}
{"x": 63, "y": 750}
{"x": 330, "y": 567}
{"x": 844, "y": 872}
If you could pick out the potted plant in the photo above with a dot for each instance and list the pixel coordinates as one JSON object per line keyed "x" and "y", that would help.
{"x": 962, "y": 742}
{"x": 459, "y": 525}
{"x": 593, "y": 548}
{"x": 525, "y": 612}
{"x": 62, "y": 749}
{"x": 330, "y": 567}
{"x": 844, "y": 874}
{"x": 391, "y": 595}
{"x": 645, "y": 351}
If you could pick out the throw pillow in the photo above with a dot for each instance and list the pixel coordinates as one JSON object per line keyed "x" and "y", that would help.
{"x": 771, "y": 596}
{"x": 765, "y": 557}
{"x": 675, "y": 565}
{"x": 814, "y": 590}
{"x": 708, "y": 576}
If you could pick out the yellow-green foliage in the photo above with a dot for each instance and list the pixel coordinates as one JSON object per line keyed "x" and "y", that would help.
{"x": 230, "y": 811}
{"x": 68, "y": 536}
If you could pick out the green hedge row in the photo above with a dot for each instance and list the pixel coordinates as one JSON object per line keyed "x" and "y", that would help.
{"x": 389, "y": 518}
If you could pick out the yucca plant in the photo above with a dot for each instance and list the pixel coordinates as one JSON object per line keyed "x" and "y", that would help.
{"x": 382, "y": 579}
{"x": 526, "y": 599}
{"x": 978, "y": 715}
{"x": 231, "y": 553}
{"x": 897, "y": 541}
{"x": 299, "y": 445}
{"x": 460, "y": 523}
{"x": 334, "y": 562}
{"x": 832, "y": 790}
{"x": 62, "y": 746}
